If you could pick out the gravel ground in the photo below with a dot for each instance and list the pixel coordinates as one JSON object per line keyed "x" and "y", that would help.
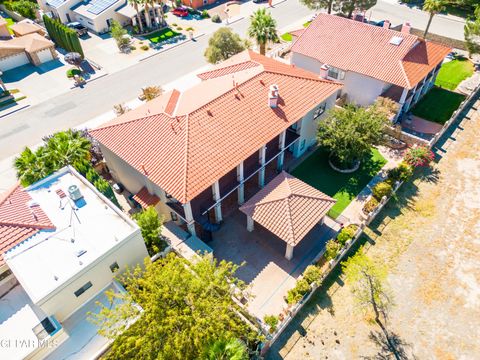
{"x": 429, "y": 238}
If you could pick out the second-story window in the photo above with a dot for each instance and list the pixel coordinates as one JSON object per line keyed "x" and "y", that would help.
{"x": 319, "y": 111}
{"x": 336, "y": 73}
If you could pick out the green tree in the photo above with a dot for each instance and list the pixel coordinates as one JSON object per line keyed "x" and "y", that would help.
{"x": 347, "y": 7}
{"x": 181, "y": 309}
{"x": 350, "y": 132}
{"x": 25, "y": 8}
{"x": 32, "y": 166}
{"x": 367, "y": 282}
{"x": 472, "y": 33}
{"x": 151, "y": 226}
{"x": 118, "y": 34}
{"x": 68, "y": 148}
{"x": 433, "y": 7}
{"x": 263, "y": 29}
{"x": 223, "y": 44}
{"x": 227, "y": 349}
{"x": 320, "y": 4}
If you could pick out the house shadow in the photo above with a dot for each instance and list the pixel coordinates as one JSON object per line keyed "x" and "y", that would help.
{"x": 24, "y": 71}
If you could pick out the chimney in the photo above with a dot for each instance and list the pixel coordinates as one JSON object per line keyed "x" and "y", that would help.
{"x": 273, "y": 96}
{"x": 406, "y": 28}
{"x": 324, "y": 71}
{"x": 386, "y": 24}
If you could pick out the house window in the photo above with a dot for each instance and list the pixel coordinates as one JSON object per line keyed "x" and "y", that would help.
{"x": 319, "y": 111}
{"x": 114, "y": 267}
{"x": 84, "y": 288}
{"x": 5, "y": 274}
{"x": 336, "y": 73}
{"x": 174, "y": 216}
{"x": 302, "y": 145}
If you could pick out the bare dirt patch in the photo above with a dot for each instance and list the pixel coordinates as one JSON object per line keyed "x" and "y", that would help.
{"x": 429, "y": 239}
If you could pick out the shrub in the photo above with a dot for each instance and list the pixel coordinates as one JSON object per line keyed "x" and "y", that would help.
{"x": 346, "y": 234}
{"x": 370, "y": 205}
{"x": 72, "y": 72}
{"x": 332, "y": 249}
{"x": 216, "y": 18}
{"x": 295, "y": 295}
{"x": 382, "y": 189}
{"x": 419, "y": 156}
{"x": 179, "y": 28}
{"x": 144, "y": 47}
{"x": 312, "y": 273}
{"x": 23, "y": 7}
{"x": 174, "y": 24}
{"x": 92, "y": 175}
{"x": 401, "y": 173}
{"x": 189, "y": 29}
{"x": 150, "y": 224}
{"x": 133, "y": 48}
{"x": 272, "y": 321}
{"x": 205, "y": 14}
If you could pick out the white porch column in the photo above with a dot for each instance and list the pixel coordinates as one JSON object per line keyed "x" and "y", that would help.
{"x": 281, "y": 147}
{"x": 241, "y": 188}
{"x": 216, "y": 197}
{"x": 289, "y": 252}
{"x": 261, "y": 160}
{"x": 250, "y": 223}
{"x": 187, "y": 208}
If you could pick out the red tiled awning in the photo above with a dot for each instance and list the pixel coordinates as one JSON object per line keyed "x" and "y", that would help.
{"x": 144, "y": 198}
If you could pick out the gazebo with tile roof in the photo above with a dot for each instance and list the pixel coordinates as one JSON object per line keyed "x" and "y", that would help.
{"x": 289, "y": 208}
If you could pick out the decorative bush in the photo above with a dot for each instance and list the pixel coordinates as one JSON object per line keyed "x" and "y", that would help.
{"x": 419, "y": 156}
{"x": 272, "y": 321}
{"x": 189, "y": 29}
{"x": 144, "y": 47}
{"x": 23, "y": 7}
{"x": 402, "y": 172}
{"x": 174, "y": 24}
{"x": 298, "y": 292}
{"x": 205, "y": 14}
{"x": 332, "y": 249}
{"x": 72, "y": 72}
{"x": 370, "y": 205}
{"x": 179, "y": 28}
{"x": 382, "y": 189}
{"x": 216, "y": 18}
{"x": 346, "y": 234}
{"x": 312, "y": 273}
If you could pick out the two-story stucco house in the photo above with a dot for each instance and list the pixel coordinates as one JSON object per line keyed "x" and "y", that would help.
{"x": 370, "y": 61}
{"x": 61, "y": 246}
{"x": 197, "y": 154}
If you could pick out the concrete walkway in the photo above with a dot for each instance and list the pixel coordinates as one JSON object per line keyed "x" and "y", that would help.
{"x": 354, "y": 210}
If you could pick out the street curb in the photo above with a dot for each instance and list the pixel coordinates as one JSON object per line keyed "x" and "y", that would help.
{"x": 89, "y": 81}
{"x": 14, "y": 111}
{"x": 278, "y": 3}
{"x": 171, "y": 47}
{"x": 236, "y": 20}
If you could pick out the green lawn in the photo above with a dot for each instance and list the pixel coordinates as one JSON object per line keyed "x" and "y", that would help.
{"x": 306, "y": 24}
{"x": 316, "y": 172}
{"x": 10, "y": 22}
{"x": 453, "y": 72}
{"x": 438, "y": 105}
{"x": 161, "y": 35}
{"x": 286, "y": 37}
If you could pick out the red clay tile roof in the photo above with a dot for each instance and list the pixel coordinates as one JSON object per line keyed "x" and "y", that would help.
{"x": 214, "y": 126}
{"x": 288, "y": 207}
{"x": 366, "y": 49}
{"x": 144, "y": 198}
{"x": 18, "y": 220}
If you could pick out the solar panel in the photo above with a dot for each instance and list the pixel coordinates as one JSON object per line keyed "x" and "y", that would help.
{"x": 396, "y": 40}
{"x": 55, "y": 3}
{"x": 97, "y": 6}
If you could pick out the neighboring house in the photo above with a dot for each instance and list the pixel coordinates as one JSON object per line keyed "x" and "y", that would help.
{"x": 198, "y": 3}
{"x": 32, "y": 48}
{"x": 96, "y": 15}
{"x": 198, "y": 154}
{"x": 4, "y": 33}
{"x": 26, "y": 27}
{"x": 370, "y": 61}
{"x": 61, "y": 244}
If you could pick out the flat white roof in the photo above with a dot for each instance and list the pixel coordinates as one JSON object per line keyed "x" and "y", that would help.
{"x": 85, "y": 230}
{"x": 18, "y": 317}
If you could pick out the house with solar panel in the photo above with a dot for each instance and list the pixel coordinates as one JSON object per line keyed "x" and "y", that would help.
{"x": 96, "y": 15}
{"x": 61, "y": 245}
{"x": 370, "y": 61}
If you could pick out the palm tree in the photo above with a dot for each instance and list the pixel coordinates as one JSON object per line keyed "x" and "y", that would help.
{"x": 135, "y": 4}
{"x": 68, "y": 148}
{"x": 263, "y": 28}
{"x": 146, "y": 10}
{"x": 32, "y": 166}
{"x": 233, "y": 349}
{"x": 433, "y": 7}
{"x": 160, "y": 12}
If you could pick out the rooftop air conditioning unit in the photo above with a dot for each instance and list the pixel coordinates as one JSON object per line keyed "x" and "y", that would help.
{"x": 74, "y": 192}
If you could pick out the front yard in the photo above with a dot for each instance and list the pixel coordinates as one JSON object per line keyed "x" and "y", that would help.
{"x": 453, "y": 73}
{"x": 438, "y": 105}
{"x": 316, "y": 172}
{"x": 161, "y": 35}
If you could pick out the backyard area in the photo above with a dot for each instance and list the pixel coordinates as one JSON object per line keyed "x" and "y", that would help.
{"x": 316, "y": 172}
{"x": 438, "y": 105}
{"x": 454, "y": 72}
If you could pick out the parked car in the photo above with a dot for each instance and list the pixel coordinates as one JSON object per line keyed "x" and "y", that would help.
{"x": 79, "y": 28}
{"x": 180, "y": 12}
{"x": 379, "y": 23}
{"x": 118, "y": 188}
{"x": 260, "y": 1}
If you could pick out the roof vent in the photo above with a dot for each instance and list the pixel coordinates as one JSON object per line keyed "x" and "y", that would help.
{"x": 31, "y": 204}
{"x": 396, "y": 40}
{"x": 324, "y": 71}
{"x": 273, "y": 96}
{"x": 74, "y": 192}
{"x": 80, "y": 252}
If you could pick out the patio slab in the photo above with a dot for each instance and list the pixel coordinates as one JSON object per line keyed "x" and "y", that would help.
{"x": 267, "y": 272}
{"x": 420, "y": 125}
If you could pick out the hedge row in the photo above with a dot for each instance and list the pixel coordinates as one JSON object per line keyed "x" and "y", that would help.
{"x": 63, "y": 36}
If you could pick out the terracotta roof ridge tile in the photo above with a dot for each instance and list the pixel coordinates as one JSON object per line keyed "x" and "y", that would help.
{"x": 9, "y": 192}
{"x": 185, "y": 161}
{"x": 305, "y": 77}
{"x": 172, "y": 103}
{"x": 405, "y": 74}
{"x": 204, "y": 75}
{"x": 146, "y": 117}
{"x": 28, "y": 225}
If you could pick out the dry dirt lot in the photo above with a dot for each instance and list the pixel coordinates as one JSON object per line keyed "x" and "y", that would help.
{"x": 430, "y": 240}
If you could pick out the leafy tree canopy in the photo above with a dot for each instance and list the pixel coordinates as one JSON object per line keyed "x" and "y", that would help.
{"x": 223, "y": 44}
{"x": 151, "y": 226}
{"x": 185, "y": 308}
{"x": 472, "y": 33}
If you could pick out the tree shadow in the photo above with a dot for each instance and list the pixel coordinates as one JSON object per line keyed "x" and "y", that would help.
{"x": 402, "y": 348}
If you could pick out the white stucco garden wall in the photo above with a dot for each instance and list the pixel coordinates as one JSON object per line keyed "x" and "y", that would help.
{"x": 362, "y": 90}
{"x": 306, "y": 62}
